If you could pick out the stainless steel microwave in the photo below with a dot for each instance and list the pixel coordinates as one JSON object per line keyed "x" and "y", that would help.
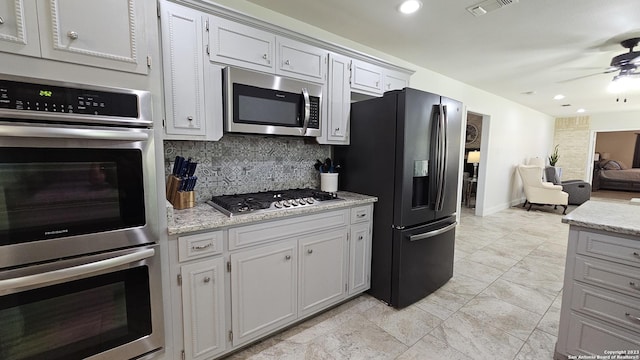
{"x": 261, "y": 103}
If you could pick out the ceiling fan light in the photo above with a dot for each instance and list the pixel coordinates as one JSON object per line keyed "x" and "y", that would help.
{"x": 623, "y": 83}
{"x": 410, "y": 6}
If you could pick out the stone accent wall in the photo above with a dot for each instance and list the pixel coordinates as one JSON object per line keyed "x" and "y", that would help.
{"x": 572, "y": 136}
{"x": 249, "y": 163}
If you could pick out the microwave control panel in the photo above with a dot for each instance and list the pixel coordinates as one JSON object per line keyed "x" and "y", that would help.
{"x": 314, "y": 112}
{"x": 15, "y": 95}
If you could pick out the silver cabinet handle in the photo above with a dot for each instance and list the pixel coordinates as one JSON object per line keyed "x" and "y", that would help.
{"x": 310, "y": 251}
{"x": 635, "y": 253}
{"x": 377, "y": 83}
{"x": 207, "y": 279}
{"x": 631, "y": 317}
{"x": 634, "y": 285}
{"x": 361, "y": 215}
{"x": 288, "y": 257}
{"x": 190, "y": 118}
{"x": 72, "y": 35}
{"x": 202, "y": 247}
{"x": 1, "y": 20}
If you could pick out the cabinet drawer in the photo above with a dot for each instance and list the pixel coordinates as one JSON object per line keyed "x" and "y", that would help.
{"x": 612, "y": 276}
{"x": 244, "y": 236}
{"x": 361, "y": 214}
{"x": 592, "y": 337}
{"x": 199, "y": 245}
{"x": 618, "y": 309}
{"x": 608, "y": 247}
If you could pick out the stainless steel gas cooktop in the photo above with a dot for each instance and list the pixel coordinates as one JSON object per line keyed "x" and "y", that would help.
{"x": 278, "y": 200}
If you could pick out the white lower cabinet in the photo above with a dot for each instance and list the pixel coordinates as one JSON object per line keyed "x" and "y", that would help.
{"x": 242, "y": 283}
{"x": 360, "y": 258}
{"x": 263, "y": 290}
{"x": 203, "y": 308}
{"x": 323, "y": 270}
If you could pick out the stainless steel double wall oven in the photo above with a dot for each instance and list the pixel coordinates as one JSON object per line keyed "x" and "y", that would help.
{"x": 79, "y": 262}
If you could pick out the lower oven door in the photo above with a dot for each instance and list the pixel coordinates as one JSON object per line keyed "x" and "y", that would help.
{"x": 105, "y": 306}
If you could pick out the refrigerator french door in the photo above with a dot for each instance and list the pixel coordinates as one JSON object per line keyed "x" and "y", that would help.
{"x": 405, "y": 150}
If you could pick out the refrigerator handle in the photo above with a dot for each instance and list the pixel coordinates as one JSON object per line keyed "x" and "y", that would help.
{"x": 441, "y": 155}
{"x": 433, "y": 233}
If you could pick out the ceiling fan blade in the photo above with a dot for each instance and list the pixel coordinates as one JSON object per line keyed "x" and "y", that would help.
{"x": 585, "y": 76}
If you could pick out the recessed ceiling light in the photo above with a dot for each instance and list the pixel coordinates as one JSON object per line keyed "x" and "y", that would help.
{"x": 558, "y": 97}
{"x": 410, "y": 6}
{"x": 581, "y": 110}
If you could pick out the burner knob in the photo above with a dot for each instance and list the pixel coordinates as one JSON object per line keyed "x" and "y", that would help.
{"x": 302, "y": 201}
{"x": 310, "y": 200}
{"x": 286, "y": 203}
{"x": 278, "y": 204}
{"x": 294, "y": 202}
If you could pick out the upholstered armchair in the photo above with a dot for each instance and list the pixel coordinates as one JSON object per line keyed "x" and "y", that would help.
{"x": 541, "y": 192}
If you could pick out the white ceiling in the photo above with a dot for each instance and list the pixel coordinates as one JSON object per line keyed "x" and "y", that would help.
{"x": 547, "y": 47}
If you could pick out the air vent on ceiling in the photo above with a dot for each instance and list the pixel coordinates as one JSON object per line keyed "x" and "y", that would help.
{"x": 486, "y": 6}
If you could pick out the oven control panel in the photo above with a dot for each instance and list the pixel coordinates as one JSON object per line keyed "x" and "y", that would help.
{"x": 17, "y": 95}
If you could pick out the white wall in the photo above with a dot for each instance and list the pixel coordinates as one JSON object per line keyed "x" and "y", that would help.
{"x": 512, "y": 133}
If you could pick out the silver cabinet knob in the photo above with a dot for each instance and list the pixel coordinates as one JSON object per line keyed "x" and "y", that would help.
{"x": 1, "y": 20}
{"x": 190, "y": 118}
{"x": 207, "y": 279}
{"x": 360, "y": 237}
{"x": 377, "y": 83}
{"x": 310, "y": 251}
{"x": 287, "y": 62}
{"x": 72, "y": 35}
{"x": 288, "y": 257}
{"x": 264, "y": 56}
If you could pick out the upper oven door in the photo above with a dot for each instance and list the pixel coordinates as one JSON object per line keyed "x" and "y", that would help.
{"x": 69, "y": 191}
{"x": 268, "y": 104}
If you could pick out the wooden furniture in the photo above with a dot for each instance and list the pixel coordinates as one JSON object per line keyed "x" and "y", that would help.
{"x": 601, "y": 295}
{"x": 470, "y": 191}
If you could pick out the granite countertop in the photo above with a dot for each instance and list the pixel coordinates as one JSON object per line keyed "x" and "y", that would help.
{"x": 204, "y": 217}
{"x": 617, "y": 217}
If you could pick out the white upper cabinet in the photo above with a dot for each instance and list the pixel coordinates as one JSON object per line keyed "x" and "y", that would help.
{"x": 192, "y": 86}
{"x": 107, "y": 34}
{"x": 302, "y": 61}
{"x": 366, "y": 77}
{"x": 19, "y": 27}
{"x": 240, "y": 45}
{"x": 395, "y": 80}
{"x": 335, "y": 118}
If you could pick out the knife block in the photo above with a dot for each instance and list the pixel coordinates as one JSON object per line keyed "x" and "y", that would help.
{"x": 179, "y": 199}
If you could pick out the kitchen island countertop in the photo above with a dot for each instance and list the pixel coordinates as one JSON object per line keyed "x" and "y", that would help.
{"x": 204, "y": 217}
{"x": 616, "y": 217}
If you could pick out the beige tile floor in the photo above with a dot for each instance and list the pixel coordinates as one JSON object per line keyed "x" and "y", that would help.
{"x": 503, "y": 302}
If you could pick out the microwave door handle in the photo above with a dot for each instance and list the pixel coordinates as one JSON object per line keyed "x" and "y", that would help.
{"x": 13, "y": 285}
{"x": 307, "y": 110}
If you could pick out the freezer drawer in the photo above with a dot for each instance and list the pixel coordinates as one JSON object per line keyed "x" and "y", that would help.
{"x": 422, "y": 260}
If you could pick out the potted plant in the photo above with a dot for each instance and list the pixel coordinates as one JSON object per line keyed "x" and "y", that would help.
{"x": 553, "y": 172}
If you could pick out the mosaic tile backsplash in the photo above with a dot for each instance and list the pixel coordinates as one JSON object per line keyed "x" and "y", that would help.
{"x": 249, "y": 163}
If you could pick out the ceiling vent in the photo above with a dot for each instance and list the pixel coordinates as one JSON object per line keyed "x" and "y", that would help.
{"x": 488, "y": 6}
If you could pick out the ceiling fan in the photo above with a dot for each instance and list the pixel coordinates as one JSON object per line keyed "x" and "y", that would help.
{"x": 626, "y": 63}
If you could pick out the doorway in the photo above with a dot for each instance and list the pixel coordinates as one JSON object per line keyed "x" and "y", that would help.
{"x": 473, "y": 163}
{"x": 617, "y": 153}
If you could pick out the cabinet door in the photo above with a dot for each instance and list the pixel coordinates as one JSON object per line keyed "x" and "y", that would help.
{"x": 338, "y": 102}
{"x": 182, "y": 48}
{"x": 263, "y": 290}
{"x": 366, "y": 77}
{"x": 323, "y": 270}
{"x": 108, "y": 34}
{"x": 394, "y": 80}
{"x": 301, "y": 61}
{"x": 359, "y": 258}
{"x": 203, "y": 308}
{"x": 236, "y": 44}
{"x": 19, "y": 27}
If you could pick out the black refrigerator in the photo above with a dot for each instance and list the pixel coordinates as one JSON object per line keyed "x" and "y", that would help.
{"x": 405, "y": 149}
